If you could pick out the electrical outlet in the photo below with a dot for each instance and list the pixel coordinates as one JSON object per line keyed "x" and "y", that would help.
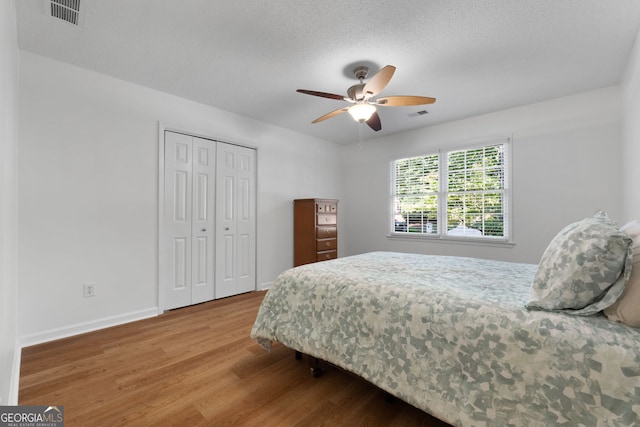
{"x": 89, "y": 290}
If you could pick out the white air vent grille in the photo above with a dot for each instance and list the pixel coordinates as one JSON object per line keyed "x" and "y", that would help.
{"x": 419, "y": 113}
{"x": 67, "y": 10}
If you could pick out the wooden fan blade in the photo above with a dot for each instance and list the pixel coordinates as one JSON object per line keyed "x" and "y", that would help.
{"x": 331, "y": 114}
{"x": 401, "y": 101}
{"x": 374, "y": 122}
{"x": 322, "y": 94}
{"x": 379, "y": 81}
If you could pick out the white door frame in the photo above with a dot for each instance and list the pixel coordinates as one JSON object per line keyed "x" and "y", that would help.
{"x": 161, "y": 200}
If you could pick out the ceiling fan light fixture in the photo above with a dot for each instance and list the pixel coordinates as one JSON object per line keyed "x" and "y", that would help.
{"x": 361, "y": 112}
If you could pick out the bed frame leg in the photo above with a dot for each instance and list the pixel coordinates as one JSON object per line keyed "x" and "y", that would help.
{"x": 314, "y": 365}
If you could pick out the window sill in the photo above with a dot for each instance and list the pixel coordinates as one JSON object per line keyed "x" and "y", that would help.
{"x": 452, "y": 240}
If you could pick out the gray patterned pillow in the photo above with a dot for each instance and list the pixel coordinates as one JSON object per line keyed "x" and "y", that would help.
{"x": 584, "y": 269}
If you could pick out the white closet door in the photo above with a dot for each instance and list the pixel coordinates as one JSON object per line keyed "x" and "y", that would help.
{"x": 187, "y": 269}
{"x": 246, "y": 224}
{"x": 202, "y": 231}
{"x": 177, "y": 220}
{"x": 235, "y": 220}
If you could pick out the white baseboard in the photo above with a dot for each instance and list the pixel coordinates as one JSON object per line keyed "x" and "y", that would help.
{"x": 265, "y": 286}
{"x": 82, "y": 328}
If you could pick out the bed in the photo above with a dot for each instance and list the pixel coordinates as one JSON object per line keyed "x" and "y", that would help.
{"x": 478, "y": 342}
{"x": 458, "y": 338}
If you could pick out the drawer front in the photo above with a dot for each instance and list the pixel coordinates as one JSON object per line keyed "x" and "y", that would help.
{"x": 326, "y": 232}
{"x": 326, "y": 255}
{"x": 326, "y": 244}
{"x": 326, "y": 206}
{"x": 327, "y": 219}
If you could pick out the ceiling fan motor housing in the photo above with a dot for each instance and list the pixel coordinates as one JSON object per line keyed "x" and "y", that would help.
{"x": 355, "y": 92}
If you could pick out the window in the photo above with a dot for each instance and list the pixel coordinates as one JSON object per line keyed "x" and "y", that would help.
{"x": 459, "y": 194}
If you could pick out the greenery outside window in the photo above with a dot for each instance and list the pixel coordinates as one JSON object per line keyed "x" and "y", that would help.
{"x": 457, "y": 194}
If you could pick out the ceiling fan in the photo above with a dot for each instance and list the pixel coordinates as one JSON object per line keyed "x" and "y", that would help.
{"x": 361, "y": 96}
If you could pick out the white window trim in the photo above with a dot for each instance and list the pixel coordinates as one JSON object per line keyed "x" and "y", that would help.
{"x": 507, "y": 241}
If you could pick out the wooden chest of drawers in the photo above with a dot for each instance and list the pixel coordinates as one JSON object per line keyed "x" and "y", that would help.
{"x": 315, "y": 230}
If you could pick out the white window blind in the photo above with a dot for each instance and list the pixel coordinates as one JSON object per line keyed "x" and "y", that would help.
{"x": 460, "y": 193}
{"x": 416, "y": 195}
{"x": 476, "y": 192}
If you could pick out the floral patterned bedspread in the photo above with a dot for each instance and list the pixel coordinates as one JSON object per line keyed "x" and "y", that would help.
{"x": 451, "y": 336}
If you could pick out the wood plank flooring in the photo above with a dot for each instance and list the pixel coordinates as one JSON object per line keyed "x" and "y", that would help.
{"x": 197, "y": 366}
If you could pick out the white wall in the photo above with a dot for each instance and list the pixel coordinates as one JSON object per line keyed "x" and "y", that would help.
{"x": 9, "y": 355}
{"x": 89, "y": 193}
{"x": 566, "y": 165}
{"x": 631, "y": 133}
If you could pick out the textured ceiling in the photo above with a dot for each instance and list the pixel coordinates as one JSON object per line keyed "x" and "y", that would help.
{"x": 249, "y": 56}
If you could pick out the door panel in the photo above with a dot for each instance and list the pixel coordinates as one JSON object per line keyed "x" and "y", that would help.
{"x": 181, "y": 265}
{"x": 202, "y": 221}
{"x": 228, "y": 272}
{"x": 177, "y": 225}
{"x": 188, "y": 220}
{"x": 181, "y": 198}
{"x": 226, "y": 221}
{"x": 244, "y": 267}
{"x": 246, "y": 220}
{"x": 235, "y": 204}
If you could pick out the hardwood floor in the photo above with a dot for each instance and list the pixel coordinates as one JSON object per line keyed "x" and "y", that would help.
{"x": 197, "y": 366}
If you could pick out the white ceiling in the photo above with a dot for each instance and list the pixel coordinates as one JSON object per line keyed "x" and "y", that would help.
{"x": 249, "y": 56}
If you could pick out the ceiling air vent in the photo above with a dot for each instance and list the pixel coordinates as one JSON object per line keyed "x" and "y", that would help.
{"x": 419, "y": 113}
{"x": 66, "y": 10}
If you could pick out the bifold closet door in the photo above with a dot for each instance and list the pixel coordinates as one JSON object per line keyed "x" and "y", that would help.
{"x": 235, "y": 220}
{"x": 189, "y": 185}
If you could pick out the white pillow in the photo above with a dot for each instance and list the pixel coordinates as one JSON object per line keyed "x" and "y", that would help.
{"x": 627, "y": 308}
